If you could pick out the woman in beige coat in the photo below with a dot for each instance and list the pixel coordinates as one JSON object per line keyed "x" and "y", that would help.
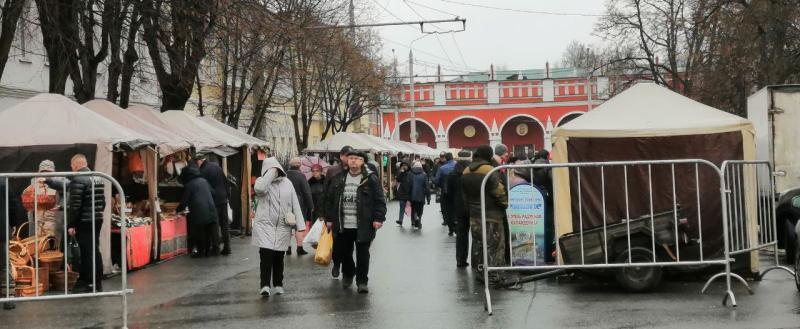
{"x": 278, "y": 212}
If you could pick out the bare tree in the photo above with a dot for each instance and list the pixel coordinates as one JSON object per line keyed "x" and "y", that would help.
{"x": 125, "y": 27}
{"x": 176, "y": 32}
{"x": 11, "y": 13}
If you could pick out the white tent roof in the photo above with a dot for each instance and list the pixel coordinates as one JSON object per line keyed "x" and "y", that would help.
{"x": 336, "y": 142}
{"x": 195, "y": 137}
{"x": 647, "y": 109}
{"x": 249, "y": 140}
{"x": 191, "y": 122}
{"x": 50, "y": 119}
{"x": 168, "y": 142}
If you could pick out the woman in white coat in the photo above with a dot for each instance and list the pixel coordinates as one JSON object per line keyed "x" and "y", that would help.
{"x": 278, "y": 212}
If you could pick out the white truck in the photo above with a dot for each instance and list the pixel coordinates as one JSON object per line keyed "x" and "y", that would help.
{"x": 775, "y": 113}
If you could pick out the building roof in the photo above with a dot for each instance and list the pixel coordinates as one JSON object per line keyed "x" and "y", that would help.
{"x": 526, "y": 74}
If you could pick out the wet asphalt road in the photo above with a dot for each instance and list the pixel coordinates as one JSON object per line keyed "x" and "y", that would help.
{"x": 413, "y": 284}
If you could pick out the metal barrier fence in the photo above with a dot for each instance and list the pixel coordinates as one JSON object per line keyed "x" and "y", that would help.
{"x": 651, "y": 225}
{"x": 750, "y": 190}
{"x": 96, "y": 179}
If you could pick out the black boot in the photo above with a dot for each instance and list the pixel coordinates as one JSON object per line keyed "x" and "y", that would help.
{"x": 289, "y": 251}
{"x": 300, "y": 251}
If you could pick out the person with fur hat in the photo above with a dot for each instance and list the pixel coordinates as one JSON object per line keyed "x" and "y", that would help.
{"x": 278, "y": 213}
{"x": 355, "y": 210}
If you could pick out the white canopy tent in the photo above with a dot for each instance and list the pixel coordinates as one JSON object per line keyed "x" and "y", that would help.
{"x": 250, "y": 140}
{"x": 54, "y": 120}
{"x": 167, "y": 142}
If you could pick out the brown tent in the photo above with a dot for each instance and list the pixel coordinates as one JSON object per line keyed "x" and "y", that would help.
{"x": 647, "y": 122}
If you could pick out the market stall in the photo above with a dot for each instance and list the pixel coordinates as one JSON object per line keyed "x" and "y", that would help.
{"x": 53, "y": 127}
{"x": 647, "y": 122}
{"x": 138, "y": 174}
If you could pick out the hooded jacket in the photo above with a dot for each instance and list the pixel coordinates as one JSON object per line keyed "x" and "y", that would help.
{"x": 276, "y": 197}
{"x": 197, "y": 196}
{"x": 496, "y": 198}
{"x": 370, "y": 200}
{"x": 215, "y": 177}
{"x": 417, "y": 182}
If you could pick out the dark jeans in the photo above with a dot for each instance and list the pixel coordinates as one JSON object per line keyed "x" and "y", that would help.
{"x": 271, "y": 267}
{"x": 416, "y": 211}
{"x": 359, "y": 268}
{"x": 462, "y": 240}
{"x": 448, "y": 202}
{"x": 402, "y": 211}
{"x": 224, "y": 227}
{"x": 85, "y": 236}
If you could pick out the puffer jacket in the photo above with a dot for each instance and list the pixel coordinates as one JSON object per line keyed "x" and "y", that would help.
{"x": 496, "y": 198}
{"x": 198, "y": 197}
{"x": 80, "y": 208}
{"x": 370, "y": 200}
{"x": 276, "y": 197}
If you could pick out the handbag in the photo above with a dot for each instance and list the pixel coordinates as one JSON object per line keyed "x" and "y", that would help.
{"x": 73, "y": 252}
{"x": 288, "y": 216}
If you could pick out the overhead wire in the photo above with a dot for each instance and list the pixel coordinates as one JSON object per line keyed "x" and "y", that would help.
{"x": 526, "y": 11}
{"x": 438, "y": 39}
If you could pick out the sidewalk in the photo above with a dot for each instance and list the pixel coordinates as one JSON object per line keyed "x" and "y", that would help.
{"x": 413, "y": 284}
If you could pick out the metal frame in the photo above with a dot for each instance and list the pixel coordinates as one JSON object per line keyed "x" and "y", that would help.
{"x": 726, "y": 257}
{"x": 123, "y": 292}
{"x": 759, "y": 172}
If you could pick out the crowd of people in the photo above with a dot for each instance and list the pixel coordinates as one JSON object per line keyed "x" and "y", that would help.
{"x": 457, "y": 183}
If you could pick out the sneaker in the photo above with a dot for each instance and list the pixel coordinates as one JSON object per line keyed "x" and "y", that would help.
{"x": 265, "y": 291}
{"x": 301, "y": 252}
{"x": 347, "y": 282}
{"x": 335, "y": 272}
{"x": 279, "y": 290}
{"x": 451, "y": 233}
{"x": 362, "y": 289}
{"x": 226, "y": 251}
{"x": 289, "y": 251}
{"x": 399, "y": 223}
{"x": 463, "y": 264}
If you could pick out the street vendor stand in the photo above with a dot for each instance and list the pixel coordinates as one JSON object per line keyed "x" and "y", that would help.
{"x": 50, "y": 126}
{"x": 140, "y": 172}
{"x": 647, "y": 122}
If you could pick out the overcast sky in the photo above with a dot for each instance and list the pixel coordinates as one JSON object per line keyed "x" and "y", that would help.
{"x": 508, "y": 39}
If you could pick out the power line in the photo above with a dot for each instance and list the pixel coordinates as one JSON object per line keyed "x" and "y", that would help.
{"x": 389, "y": 12}
{"x": 438, "y": 39}
{"x": 538, "y": 12}
{"x": 431, "y": 8}
{"x": 459, "y": 50}
{"x": 427, "y": 53}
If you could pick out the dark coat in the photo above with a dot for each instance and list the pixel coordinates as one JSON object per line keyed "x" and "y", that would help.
{"x": 80, "y": 208}
{"x": 317, "y": 195}
{"x": 496, "y": 198}
{"x": 197, "y": 197}
{"x": 417, "y": 181}
{"x": 458, "y": 204}
{"x": 303, "y": 191}
{"x": 215, "y": 176}
{"x": 404, "y": 190}
{"x": 370, "y": 200}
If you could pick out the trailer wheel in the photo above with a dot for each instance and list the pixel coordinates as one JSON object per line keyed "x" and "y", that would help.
{"x": 638, "y": 279}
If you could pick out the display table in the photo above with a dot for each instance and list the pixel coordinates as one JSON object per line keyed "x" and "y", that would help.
{"x": 173, "y": 236}
{"x": 139, "y": 243}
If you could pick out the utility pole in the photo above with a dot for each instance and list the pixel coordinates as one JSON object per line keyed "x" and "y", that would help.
{"x": 412, "y": 98}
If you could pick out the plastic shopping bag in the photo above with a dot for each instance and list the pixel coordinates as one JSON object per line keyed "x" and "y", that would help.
{"x": 324, "y": 252}
{"x": 408, "y": 209}
{"x": 312, "y": 238}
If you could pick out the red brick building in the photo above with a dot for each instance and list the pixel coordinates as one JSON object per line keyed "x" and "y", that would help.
{"x": 516, "y": 108}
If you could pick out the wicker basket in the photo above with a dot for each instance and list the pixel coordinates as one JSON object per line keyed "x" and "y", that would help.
{"x": 53, "y": 260}
{"x": 29, "y": 290}
{"x": 25, "y": 276}
{"x": 30, "y": 243}
{"x": 18, "y": 254}
{"x": 46, "y": 198}
{"x": 57, "y": 279}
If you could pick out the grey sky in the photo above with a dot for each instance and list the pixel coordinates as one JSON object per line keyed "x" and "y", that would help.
{"x": 511, "y": 40}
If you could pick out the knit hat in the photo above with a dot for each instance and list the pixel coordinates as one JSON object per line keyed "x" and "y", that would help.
{"x": 464, "y": 155}
{"x": 357, "y": 153}
{"x": 47, "y": 165}
{"x": 294, "y": 162}
{"x": 417, "y": 164}
{"x": 483, "y": 152}
{"x": 316, "y": 167}
{"x": 500, "y": 149}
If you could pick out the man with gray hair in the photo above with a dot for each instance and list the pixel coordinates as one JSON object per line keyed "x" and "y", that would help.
{"x": 303, "y": 191}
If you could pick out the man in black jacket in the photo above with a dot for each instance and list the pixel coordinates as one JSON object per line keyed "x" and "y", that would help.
{"x": 332, "y": 172}
{"x": 303, "y": 191}
{"x": 87, "y": 201}
{"x": 215, "y": 176}
{"x": 459, "y": 206}
{"x": 356, "y": 209}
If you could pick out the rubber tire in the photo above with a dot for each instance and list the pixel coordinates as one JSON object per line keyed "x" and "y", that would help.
{"x": 641, "y": 279}
{"x": 797, "y": 265}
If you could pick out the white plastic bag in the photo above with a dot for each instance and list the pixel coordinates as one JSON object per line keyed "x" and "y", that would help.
{"x": 312, "y": 238}
{"x": 230, "y": 214}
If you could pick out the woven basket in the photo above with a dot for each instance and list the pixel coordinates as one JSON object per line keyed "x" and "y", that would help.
{"x": 17, "y": 254}
{"x": 30, "y": 242}
{"x": 53, "y": 260}
{"x": 45, "y": 200}
{"x": 57, "y": 279}
{"x": 29, "y": 290}
{"x": 25, "y": 276}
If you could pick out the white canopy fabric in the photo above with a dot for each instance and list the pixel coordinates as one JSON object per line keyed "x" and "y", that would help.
{"x": 336, "y": 142}
{"x": 168, "y": 142}
{"x": 195, "y": 137}
{"x": 420, "y": 149}
{"x": 50, "y": 119}
{"x": 249, "y": 140}
{"x": 647, "y": 110}
{"x": 192, "y": 123}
